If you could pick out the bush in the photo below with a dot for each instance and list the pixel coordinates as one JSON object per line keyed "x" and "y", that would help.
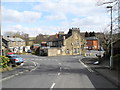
{"x": 4, "y": 61}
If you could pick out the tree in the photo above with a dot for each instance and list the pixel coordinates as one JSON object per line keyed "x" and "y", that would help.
{"x": 90, "y": 34}
{"x": 86, "y": 34}
{"x": 18, "y": 34}
{"x": 116, "y": 9}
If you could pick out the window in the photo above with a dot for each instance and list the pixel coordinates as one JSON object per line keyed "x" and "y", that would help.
{"x": 75, "y": 50}
{"x": 21, "y": 43}
{"x": 67, "y": 51}
{"x": 77, "y": 42}
{"x": 16, "y": 43}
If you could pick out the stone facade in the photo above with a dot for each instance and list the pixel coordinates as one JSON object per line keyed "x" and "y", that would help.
{"x": 67, "y": 44}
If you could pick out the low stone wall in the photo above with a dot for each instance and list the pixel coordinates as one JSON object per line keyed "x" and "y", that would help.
{"x": 52, "y": 52}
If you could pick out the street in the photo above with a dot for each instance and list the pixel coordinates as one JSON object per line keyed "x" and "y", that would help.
{"x": 56, "y": 72}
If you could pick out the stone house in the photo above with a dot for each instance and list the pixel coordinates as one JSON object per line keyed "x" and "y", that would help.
{"x": 66, "y": 44}
{"x": 4, "y": 46}
{"x": 16, "y": 44}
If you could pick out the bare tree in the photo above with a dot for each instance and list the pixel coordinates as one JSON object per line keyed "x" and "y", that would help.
{"x": 21, "y": 35}
{"x": 116, "y": 9}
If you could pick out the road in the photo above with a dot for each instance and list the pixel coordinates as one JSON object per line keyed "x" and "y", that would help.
{"x": 57, "y": 72}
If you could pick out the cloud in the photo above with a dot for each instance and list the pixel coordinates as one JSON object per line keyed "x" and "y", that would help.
{"x": 32, "y": 31}
{"x": 93, "y": 23}
{"x": 56, "y": 16}
{"x": 9, "y": 15}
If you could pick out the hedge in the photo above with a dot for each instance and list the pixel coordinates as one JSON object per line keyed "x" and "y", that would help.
{"x": 4, "y": 61}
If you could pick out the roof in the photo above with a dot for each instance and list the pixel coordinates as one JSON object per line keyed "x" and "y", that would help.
{"x": 15, "y": 39}
{"x": 91, "y": 38}
{"x": 60, "y": 38}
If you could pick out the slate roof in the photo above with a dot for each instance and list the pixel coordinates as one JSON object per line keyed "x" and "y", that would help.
{"x": 60, "y": 38}
{"x": 15, "y": 39}
{"x": 91, "y": 38}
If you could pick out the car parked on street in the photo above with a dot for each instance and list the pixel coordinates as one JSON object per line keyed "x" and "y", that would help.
{"x": 29, "y": 51}
{"x": 15, "y": 59}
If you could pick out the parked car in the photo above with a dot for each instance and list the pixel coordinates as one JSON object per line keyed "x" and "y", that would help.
{"x": 29, "y": 51}
{"x": 15, "y": 59}
{"x": 9, "y": 53}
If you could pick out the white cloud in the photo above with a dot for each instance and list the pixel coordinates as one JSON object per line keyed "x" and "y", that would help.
{"x": 32, "y": 31}
{"x": 9, "y": 15}
{"x": 56, "y": 16}
{"x": 77, "y": 7}
{"x": 94, "y": 23}
{"x": 84, "y": 14}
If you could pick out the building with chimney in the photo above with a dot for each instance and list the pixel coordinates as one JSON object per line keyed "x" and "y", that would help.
{"x": 65, "y": 44}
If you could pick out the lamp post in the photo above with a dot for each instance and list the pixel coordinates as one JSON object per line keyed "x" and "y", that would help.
{"x": 111, "y": 57}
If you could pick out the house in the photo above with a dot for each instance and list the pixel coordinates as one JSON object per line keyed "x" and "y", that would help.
{"x": 65, "y": 44}
{"x": 92, "y": 43}
{"x": 15, "y": 44}
{"x": 4, "y": 46}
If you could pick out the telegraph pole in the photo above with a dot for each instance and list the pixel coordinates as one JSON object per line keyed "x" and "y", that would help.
{"x": 111, "y": 56}
{"x": 0, "y": 43}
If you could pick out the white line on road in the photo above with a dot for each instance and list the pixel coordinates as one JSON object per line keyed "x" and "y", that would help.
{"x": 58, "y": 74}
{"x": 52, "y": 86}
{"x": 16, "y": 74}
{"x": 7, "y": 78}
{"x": 21, "y": 72}
{"x": 59, "y": 63}
{"x": 34, "y": 63}
{"x": 86, "y": 66}
{"x": 60, "y": 68}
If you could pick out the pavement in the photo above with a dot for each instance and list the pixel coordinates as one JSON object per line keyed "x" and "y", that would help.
{"x": 103, "y": 69}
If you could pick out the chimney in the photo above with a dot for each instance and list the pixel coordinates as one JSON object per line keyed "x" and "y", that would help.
{"x": 56, "y": 35}
{"x": 13, "y": 36}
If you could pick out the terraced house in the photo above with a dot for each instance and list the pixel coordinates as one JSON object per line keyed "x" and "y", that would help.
{"x": 15, "y": 44}
{"x": 71, "y": 43}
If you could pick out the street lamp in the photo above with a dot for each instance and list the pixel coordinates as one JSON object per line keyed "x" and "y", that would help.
{"x": 111, "y": 57}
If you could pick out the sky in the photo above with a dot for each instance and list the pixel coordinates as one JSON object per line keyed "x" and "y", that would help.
{"x": 51, "y": 16}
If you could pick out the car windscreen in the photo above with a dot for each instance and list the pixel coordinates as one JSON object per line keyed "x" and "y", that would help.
{"x": 14, "y": 57}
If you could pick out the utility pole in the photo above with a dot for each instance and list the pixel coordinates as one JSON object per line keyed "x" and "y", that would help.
{"x": 0, "y": 43}
{"x": 111, "y": 56}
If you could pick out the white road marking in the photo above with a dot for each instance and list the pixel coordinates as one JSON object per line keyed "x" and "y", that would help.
{"x": 60, "y": 68}
{"x": 59, "y": 63}
{"x": 52, "y": 86}
{"x": 58, "y": 74}
{"x": 16, "y": 74}
{"x": 7, "y": 78}
{"x": 34, "y": 63}
{"x": 26, "y": 70}
{"x": 21, "y": 72}
{"x": 86, "y": 66}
